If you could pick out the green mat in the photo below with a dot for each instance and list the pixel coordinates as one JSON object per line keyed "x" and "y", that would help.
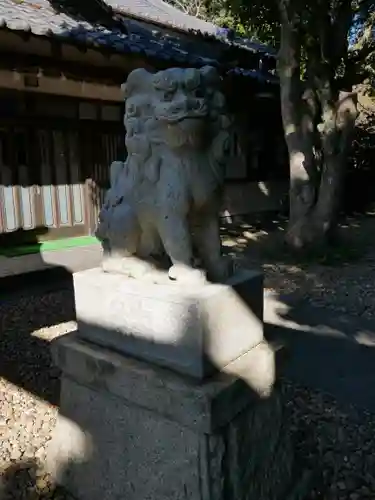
{"x": 48, "y": 246}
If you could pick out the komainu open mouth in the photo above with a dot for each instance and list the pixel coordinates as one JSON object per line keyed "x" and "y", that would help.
{"x": 196, "y": 115}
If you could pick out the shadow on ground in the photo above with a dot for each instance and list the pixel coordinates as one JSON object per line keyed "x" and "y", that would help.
{"x": 43, "y": 300}
{"x": 323, "y": 353}
{"x": 26, "y": 480}
{"x": 31, "y": 305}
{"x": 115, "y": 434}
{"x": 326, "y": 352}
{"x": 261, "y": 236}
{"x": 329, "y": 352}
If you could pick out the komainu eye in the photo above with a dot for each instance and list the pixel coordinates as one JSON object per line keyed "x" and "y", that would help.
{"x": 131, "y": 110}
{"x": 199, "y": 94}
{"x": 168, "y": 95}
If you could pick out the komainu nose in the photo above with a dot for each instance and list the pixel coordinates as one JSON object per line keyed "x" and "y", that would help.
{"x": 180, "y": 106}
{"x": 194, "y": 104}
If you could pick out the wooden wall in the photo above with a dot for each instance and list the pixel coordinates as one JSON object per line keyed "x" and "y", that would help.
{"x": 54, "y": 158}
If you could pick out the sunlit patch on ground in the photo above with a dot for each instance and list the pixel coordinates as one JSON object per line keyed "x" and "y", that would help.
{"x": 323, "y": 433}
{"x": 54, "y": 331}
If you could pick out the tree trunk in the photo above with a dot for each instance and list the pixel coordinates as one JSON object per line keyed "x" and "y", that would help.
{"x": 317, "y": 168}
{"x": 303, "y": 174}
{"x": 314, "y": 209}
{"x": 336, "y": 135}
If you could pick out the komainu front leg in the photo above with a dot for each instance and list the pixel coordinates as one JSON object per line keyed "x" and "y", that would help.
{"x": 208, "y": 243}
{"x": 177, "y": 241}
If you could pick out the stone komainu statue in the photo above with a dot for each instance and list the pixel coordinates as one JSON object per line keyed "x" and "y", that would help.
{"x": 164, "y": 200}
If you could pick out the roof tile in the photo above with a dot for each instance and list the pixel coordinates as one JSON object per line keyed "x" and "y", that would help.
{"x": 39, "y": 17}
{"x": 160, "y": 11}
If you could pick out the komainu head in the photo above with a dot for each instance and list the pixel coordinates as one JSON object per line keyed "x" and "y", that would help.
{"x": 177, "y": 107}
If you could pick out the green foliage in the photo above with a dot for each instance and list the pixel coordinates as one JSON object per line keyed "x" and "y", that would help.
{"x": 360, "y": 177}
{"x": 315, "y": 23}
{"x": 352, "y": 63}
{"x": 246, "y": 21}
{"x": 363, "y": 50}
{"x": 262, "y": 16}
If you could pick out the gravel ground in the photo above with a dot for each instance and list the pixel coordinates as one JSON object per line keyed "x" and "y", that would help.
{"x": 29, "y": 391}
{"x": 334, "y": 446}
{"x": 347, "y": 287}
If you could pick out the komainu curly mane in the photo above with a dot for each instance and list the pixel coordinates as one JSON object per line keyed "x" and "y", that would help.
{"x": 166, "y": 196}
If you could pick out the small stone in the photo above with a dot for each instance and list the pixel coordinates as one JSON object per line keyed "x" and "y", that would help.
{"x": 40, "y": 453}
{"x": 42, "y": 484}
{"x": 15, "y": 454}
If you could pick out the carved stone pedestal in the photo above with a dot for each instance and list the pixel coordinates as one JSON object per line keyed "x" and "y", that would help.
{"x": 197, "y": 419}
{"x": 194, "y": 330}
{"x": 130, "y": 430}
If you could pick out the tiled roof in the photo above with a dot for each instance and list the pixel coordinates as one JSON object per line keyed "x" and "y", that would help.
{"x": 157, "y": 10}
{"x": 164, "y": 13}
{"x": 40, "y": 18}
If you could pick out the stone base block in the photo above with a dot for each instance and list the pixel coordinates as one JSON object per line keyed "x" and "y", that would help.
{"x": 192, "y": 330}
{"x": 130, "y": 430}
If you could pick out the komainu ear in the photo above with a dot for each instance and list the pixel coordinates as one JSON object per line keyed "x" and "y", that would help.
{"x": 115, "y": 169}
{"x": 152, "y": 169}
{"x": 210, "y": 76}
{"x": 137, "y": 80}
